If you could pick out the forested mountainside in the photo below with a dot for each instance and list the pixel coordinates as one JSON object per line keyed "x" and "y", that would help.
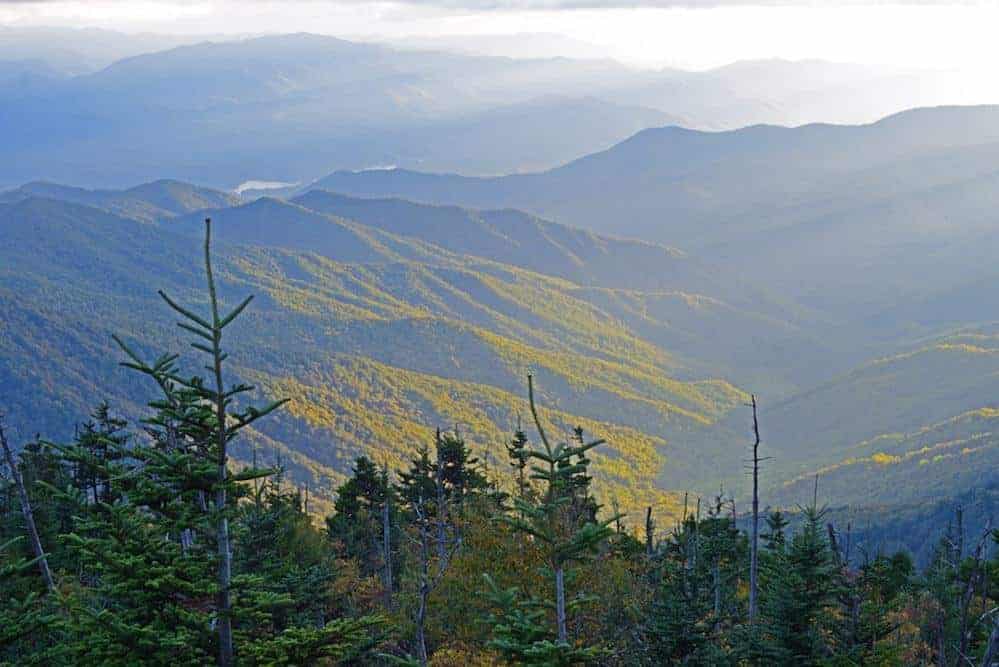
{"x": 147, "y": 202}
{"x": 377, "y": 337}
{"x": 407, "y": 303}
{"x": 875, "y": 239}
{"x": 154, "y": 545}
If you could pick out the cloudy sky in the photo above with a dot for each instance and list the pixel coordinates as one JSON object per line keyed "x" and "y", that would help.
{"x": 686, "y": 33}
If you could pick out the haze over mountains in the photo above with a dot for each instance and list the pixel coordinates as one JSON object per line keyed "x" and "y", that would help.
{"x": 801, "y": 208}
{"x": 290, "y": 107}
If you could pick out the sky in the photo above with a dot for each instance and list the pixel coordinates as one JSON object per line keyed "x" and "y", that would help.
{"x": 694, "y": 34}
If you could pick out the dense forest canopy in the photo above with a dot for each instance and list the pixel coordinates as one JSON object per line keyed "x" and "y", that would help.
{"x": 147, "y": 539}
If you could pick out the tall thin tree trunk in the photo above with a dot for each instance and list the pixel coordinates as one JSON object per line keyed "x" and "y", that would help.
{"x": 387, "y": 543}
{"x": 991, "y": 657}
{"x": 29, "y": 517}
{"x": 974, "y": 577}
{"x": 942, "y": 643}
{"x": 716, "y": 574}
{"x": 754, "y": 544}
{"x": 697, "y": 521}
{"x": 224, "y": 548}
{"x": 650, "y": 529}
{"x": 834, "y": 545}
{"x": 959, "y": 548}
{"x": 563, "y": 633}
{"x": 421, "y": 612}
{"x": 441, "y": 510}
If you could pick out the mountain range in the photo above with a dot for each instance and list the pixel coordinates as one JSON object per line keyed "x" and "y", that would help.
{"x": 874, "y": 239}
{"x": 800, "y": 209}
{"x": 289, "y": 107}
{"x": 839, "y": 272}
{"x": 377, "y": 337}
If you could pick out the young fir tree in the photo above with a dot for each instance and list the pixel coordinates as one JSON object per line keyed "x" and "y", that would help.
{"x": 519, "y": 455}
{"x": 701, "y": 566}
{"x": 679, "y": 629}
{"x": 306, "y": 620}
{"x": 184, "y": 480}
{"x": 877, "y": 592}
{"x": 800, "y": 616}
{"x": 562, "y": 522}
{"x": 277, "y": 542}
{"x": 32, "y": 627}
{"x": 156, "y": 545}
{"x": 99, "y": 438}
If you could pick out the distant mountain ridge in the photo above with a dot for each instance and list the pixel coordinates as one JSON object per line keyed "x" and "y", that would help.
{"x": 289, "y": 107}
{"x": 791, "y": 208}
{"x": 148, "y": 202}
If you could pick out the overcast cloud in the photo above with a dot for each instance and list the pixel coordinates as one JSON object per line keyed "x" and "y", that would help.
{"x": 678, "y": 33}
{"x": 554, "y": 4}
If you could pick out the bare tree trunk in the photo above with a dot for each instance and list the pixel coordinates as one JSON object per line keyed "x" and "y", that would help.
{"x": 959, "y": 548}
{"x": 974, "y": 577}
{"x": 697, "y": 520}
{"x": 563, "y": 633}
{"x": 650, "y": 530}
{"x": 441, "y": 510}
{"x": 429, "y": 583}
{"x": 754, "y": 544}
{"x": 29, "y": 517}
{"x": 941, "y": 644}
{"x": 421, "y": 612}
{"x": 387, "y": 543}
{"x": 991, "y": 657}
{"x": 716, "y": 573}
{"x": 834, "y": 546}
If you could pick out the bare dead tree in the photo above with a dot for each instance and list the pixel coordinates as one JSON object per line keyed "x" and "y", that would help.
{"x": 975, "y": 577}
{"x": 959, "y": 548}
{"x": 650, "y": 530}
{"x": 29, "y": 517}
{"x": 387, "y": 539}
{"x": 754, "y": 544}
{"x": 441, "y": 507}
{"x": 991, "y": 657}
{"x": 428, "y": 582}
{"x": 693, "y": 551}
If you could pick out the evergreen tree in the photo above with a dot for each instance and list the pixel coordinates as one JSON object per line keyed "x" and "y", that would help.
{"x": 565, "y": 535}
{"x": 31, "y": 626}
{"x": 152, "y": 531}
{"x": 700, "y": 567}
{"x": 799, "y": 612}
{"x": 99, "y": 438}
{"x": 519, "y": 456}
{"x": 356, "y": 526}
